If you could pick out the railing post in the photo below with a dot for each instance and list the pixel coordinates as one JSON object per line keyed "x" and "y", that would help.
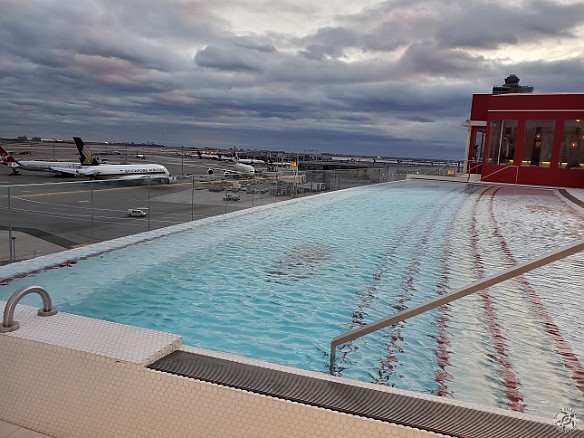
{"x": 10, "y": 227}
{"x": 193, "y": 198}
{"x": 149, "y": 211}
{"x": 91, "y": 198}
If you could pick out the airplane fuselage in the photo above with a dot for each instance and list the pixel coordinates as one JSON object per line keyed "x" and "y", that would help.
{"x": 44, "y": 166}
{"x": 123, "y": 170}
{"x": 47, "y": 165}
{"x": 244, "y": 168}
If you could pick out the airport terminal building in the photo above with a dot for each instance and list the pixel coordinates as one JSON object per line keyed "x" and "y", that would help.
{"x": 519, "y": 137}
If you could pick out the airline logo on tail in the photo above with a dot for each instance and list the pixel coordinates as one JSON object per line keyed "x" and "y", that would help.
{"x": 85, "y": 155}
{"x": 8, "y": 159}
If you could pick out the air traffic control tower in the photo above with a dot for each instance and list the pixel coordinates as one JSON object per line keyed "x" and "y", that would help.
{"x": 512, "y": 86}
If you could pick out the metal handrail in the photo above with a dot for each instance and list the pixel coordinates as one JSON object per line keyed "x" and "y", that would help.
{"x": 8, "y": 324}
{"x": 447, "y": 298}
{"x": 509, "y": 166}
{"x": 496, "y": 171}
{"x": 475, "y": 166}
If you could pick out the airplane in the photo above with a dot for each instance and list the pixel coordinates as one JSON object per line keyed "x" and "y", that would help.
{"x": 238, "y": 169}
{"x": 241, "y": 167}
{"x": 208, "y": 156}
{"x": 251, "y": 161}
{"x": 92, "y": 168}
{"x": 35, "y": 165}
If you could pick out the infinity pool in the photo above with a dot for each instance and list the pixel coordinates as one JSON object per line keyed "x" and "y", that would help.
{"x": 278, "y": 283}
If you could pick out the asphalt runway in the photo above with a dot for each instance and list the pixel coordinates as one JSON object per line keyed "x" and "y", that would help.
{"x": 49, "y": 213}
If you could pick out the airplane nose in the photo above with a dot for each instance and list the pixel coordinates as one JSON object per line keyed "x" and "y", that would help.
{"x": 210, "y": 171}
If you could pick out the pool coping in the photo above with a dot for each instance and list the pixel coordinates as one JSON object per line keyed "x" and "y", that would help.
{"x": 87, "y": 348}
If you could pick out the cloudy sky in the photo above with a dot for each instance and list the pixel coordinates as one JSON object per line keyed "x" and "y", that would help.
{"x": 369, "y": 77}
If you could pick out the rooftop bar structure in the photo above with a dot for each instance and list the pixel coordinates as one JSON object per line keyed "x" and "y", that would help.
{"x": 527, "y": 138}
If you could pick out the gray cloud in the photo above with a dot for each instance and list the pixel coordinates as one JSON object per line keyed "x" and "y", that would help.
{"x": 394, "y": 79}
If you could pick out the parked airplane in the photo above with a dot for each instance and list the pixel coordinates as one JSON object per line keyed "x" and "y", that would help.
{"x": 90, "y": 167}
{"x": 251, "y": 161}
{"x": 208, "y": 156}
{"x": 35, "y": 165}
{"x": 238, "y": 169}
{"x": 241, "y": 166}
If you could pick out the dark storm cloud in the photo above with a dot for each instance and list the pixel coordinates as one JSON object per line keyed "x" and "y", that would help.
{"x": 508, "y": 24}
{"x": 397, "y": 77}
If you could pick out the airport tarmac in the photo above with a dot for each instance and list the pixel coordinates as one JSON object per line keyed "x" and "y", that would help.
{"x": 49, "y": 213}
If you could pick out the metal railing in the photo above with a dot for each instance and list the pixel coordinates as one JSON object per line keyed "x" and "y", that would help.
{"x": 445, "y": 299}
{"x": 8, "y": 323}
{"x": 510, "y": 166}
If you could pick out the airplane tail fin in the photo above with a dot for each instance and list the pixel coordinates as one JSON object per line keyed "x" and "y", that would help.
{"x": 85, "y": 155}
{"x": 7, "y": 157}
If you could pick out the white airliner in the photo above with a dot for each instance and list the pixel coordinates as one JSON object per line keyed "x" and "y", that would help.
{"x": 251, "y": 161}
{"x": 92, "y": 168}
{"x": 239, "y": 168}
{"x": 35, "y": 165}
{"x": 218, "y": 157}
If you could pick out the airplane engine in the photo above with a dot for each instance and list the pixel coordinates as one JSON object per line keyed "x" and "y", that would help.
{"x": 210, "y": 171}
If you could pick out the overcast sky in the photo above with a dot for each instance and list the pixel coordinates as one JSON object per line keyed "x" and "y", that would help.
{"x": 389, "y": 78}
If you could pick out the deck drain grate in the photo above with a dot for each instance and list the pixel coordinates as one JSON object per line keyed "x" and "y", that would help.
{"x": 397, "y": 408}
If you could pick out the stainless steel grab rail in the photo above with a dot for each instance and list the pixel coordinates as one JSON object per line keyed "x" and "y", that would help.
{"x": 8, "y": 324}
{"x": 510, "y": 166}
{"x": 445, "y": 299}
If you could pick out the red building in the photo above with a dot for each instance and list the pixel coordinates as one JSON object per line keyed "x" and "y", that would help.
{"x": 527, "y": 138}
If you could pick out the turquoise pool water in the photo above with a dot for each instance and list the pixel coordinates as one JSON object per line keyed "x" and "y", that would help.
{"x": 279, "y": 283}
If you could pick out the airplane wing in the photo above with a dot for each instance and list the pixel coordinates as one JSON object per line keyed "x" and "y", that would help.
{"x": 69, "y": 171}
{"x": 64, "y": 170}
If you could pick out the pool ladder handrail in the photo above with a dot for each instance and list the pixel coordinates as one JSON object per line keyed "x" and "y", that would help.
{"x": 515, "y": 271}
{"x": 508, "y": 166}
{"x": 8, "y": 323}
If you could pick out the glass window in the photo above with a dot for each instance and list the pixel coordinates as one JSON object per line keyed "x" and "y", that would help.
{"x": 502, "y": 141}
{"x": 539, "y": 138}
{"x": 572, "y": 149}
{"x": 479, "y": 144}
{"x": 478, "y": 149}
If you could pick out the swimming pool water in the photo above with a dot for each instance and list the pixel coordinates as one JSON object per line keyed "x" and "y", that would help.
{"x": 279, "y": 283}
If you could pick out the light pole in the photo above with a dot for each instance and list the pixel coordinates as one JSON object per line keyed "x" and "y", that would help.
{"x": 182, "y": 160}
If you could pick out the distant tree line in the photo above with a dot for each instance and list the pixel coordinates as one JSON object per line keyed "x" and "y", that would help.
{"x": 23, "y": 138}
